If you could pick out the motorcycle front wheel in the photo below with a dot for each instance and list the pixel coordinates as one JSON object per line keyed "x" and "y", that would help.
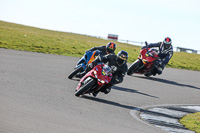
{"x": 134, "y": 67}
{"x": 73, "y": 73}
{"x": 85, "y": 87}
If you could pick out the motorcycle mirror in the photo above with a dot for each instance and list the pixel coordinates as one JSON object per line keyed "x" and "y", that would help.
{"x": 146, "y": 45}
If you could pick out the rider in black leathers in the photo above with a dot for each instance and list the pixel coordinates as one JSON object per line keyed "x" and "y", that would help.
{"x": 118, "y": 65}
{"x": 108, "y": 49}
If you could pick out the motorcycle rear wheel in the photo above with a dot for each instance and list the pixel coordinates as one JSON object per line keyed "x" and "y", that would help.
{"x": 73, "y": 73}
{"x": 134, "y": 67}
{"x": 85, "y": 87}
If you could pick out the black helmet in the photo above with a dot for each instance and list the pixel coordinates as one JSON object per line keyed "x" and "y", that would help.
{"x": 122, "y": 57}
{"x": 167, "y": 42}
{"x": 110, "y": 47}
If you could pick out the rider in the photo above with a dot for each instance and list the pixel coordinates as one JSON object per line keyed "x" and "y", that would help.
{"x": 108, "y": 49}
{"x": 118, "y": 65}
{"x": 165, "y": 52}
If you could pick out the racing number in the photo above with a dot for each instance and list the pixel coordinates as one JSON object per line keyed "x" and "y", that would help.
{"x": 103, "y": 73}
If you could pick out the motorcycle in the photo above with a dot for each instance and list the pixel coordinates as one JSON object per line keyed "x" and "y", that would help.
{"x": 94, "y": 80}
{"x": 82, "y": 63}
{"x": 146, "y": 63}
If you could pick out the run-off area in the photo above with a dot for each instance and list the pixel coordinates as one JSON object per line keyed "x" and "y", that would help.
{"x": 166, "y": 117}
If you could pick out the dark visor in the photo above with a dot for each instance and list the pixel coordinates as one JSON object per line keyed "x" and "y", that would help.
{"x": 120, "y": 61}
{"x": 110, "y": 50}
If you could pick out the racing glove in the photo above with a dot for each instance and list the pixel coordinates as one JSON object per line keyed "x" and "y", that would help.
{"x": 90, "y": 65}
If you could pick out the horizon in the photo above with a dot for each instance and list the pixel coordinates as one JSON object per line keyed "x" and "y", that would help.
{"x": 131, "y": 42}
{"x": 139, "y": 21}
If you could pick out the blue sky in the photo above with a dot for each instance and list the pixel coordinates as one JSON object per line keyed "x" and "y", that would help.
{"x": 136, "y": 20}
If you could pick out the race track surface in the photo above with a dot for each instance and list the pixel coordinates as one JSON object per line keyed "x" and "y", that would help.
{"x": 37, "y": 97}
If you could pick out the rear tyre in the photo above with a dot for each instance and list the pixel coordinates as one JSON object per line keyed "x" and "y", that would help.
{"x": 85, "y": 87}
{"x": 73, "y": 73}
{"x": 134, "y": 67}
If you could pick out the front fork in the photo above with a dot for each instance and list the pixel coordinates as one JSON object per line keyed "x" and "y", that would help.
{"x": 87, "y": 80}
{"x": 141, "y": 66}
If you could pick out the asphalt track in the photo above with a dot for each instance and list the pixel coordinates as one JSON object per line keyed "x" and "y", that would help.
{"x": 37, "y": 97}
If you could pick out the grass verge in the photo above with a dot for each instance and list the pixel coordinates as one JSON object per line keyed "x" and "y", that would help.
{"x": 192, "y": 122}
{"x": 20, "y": 37}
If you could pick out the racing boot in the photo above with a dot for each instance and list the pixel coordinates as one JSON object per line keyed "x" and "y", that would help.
{"x": 95, "y": 93}
{"x": 159, "y": 70}
{"x": 108, "y": 89}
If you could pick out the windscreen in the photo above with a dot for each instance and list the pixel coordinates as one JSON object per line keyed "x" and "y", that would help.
{"x": 107, "y": 69}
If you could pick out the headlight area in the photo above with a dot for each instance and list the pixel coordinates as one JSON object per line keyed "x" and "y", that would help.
{"x": 144, "y": 61}
{"x": 102, "y": 81}
{"x": 95, "y": 73}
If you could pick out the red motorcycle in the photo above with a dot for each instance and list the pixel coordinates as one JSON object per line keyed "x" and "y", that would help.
{"x": 94, "y": 80}
{"x": 146, "y": 63}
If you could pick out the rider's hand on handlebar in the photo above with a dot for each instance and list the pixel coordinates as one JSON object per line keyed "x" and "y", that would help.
{"x": 90, "y": 65}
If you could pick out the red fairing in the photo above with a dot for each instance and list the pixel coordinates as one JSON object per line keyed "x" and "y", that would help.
{"x": 148, "y": 59}
{"x": 100, "y": 74}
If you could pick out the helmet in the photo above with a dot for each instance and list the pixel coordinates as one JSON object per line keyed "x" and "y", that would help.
{"x": 110, "y": 47}
{"x": 122, "y": 57}
{"x": 167, "y": 42}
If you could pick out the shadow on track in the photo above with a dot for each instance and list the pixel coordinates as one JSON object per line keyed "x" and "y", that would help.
{"x": 128, "y": 107}
{"x": 168, "y": 82}
{"x": 110, "y": 102}
{"x": 131, "y": 91}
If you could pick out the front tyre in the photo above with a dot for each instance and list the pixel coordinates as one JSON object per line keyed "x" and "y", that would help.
{"x": 85, "y": 87}
{"x": 73, "y": 73}
{"x": 134, "y": 67}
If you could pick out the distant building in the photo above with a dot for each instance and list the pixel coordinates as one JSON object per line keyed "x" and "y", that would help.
{"x": 180, "y": 49}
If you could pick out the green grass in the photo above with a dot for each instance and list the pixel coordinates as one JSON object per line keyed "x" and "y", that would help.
{"x": 20, "y": 37}
{"x": 192, "y": 122}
